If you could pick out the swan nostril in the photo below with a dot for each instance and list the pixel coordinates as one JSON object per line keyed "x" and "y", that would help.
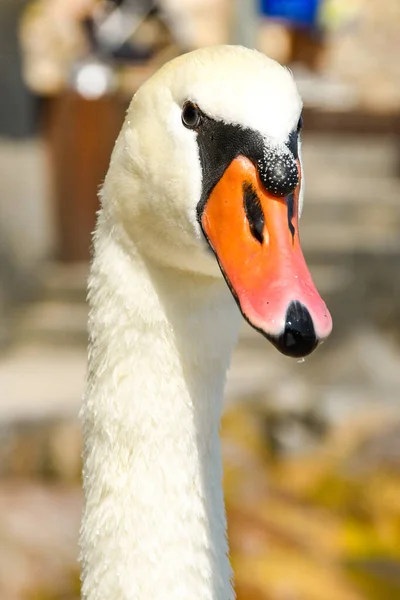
{"x": 298, "y": 338}
{"x": 254, "y": 212}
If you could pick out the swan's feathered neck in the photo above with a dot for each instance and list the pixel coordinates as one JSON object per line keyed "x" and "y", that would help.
{"x": 160, "y": 341}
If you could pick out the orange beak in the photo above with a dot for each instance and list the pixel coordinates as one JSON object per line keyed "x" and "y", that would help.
{"x": 256, "y": 241}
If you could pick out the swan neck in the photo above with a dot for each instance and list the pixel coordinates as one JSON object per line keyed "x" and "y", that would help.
{"x": 154, "y": 522}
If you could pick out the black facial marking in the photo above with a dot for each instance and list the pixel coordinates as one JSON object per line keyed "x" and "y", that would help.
{"x": 293, "y": 144}
{"x": 293, "y": 141}
{"x": 254, "y": 212}
{"x": 300, "y": 124}
{"x": 290, "y": 214}
{"x": 220, "y": 143}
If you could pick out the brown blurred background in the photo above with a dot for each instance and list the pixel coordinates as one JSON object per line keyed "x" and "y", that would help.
{"x": 311, "y": 449}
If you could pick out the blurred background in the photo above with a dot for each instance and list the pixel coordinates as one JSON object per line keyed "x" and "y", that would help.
{"x": 312, "y": 448}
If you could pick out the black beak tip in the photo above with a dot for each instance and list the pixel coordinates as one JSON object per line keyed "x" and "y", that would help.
{"x": 298, "y": 338}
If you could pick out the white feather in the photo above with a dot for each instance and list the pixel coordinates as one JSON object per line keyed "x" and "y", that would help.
{"x": 162, "y": 326}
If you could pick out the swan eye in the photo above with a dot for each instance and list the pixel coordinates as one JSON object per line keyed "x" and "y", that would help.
{"x": 191, "y": 115}
{"x": 300, "y": 124}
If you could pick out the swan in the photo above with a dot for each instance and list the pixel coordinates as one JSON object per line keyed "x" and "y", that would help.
{"x": 199, "y": 216}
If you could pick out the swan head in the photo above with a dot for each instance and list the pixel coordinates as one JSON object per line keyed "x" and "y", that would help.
{"x": 206, "y": 176}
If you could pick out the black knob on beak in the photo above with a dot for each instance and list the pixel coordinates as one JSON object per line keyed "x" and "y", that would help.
{"x": 279, "y": 173}
{"x": 298, "y": 338}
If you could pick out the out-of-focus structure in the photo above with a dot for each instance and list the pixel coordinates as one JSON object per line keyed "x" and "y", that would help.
{"x": 312, "y": 452}
{"x": 86, "y": 59}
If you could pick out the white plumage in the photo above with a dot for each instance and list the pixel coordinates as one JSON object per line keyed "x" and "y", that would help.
{"x": 162, "y": 327}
